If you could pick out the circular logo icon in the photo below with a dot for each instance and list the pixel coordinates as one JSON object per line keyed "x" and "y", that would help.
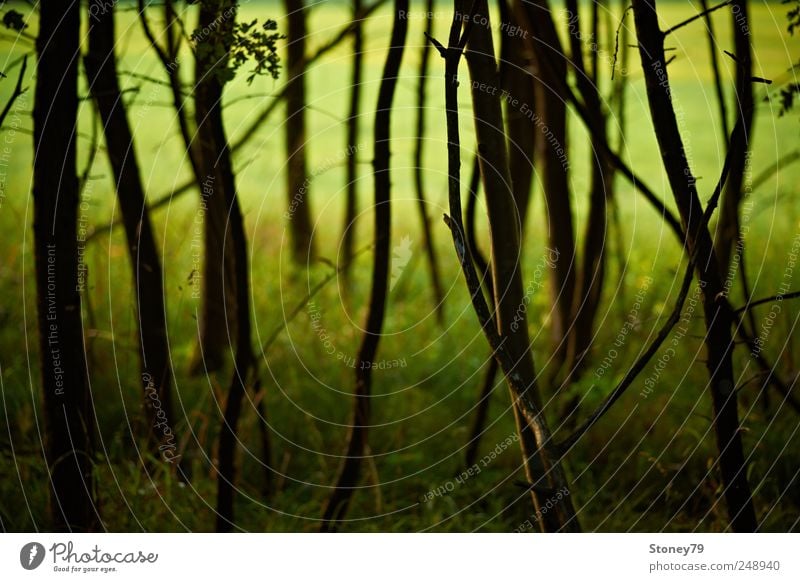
{"x": 31, "y": 555}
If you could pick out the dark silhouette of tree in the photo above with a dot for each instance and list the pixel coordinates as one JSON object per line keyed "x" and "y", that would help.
{"x": 156, "y": 372}
{"x": 337, "y": 504}
{"x": 519, "y": 85}
{"x": 729, "y": 227}
{"x": 213, "y": 44}
{"x": 507, "y": 329}
{"x": 419, "y": 180}
{"x": 68, "y": 412}
{"x": 353, "y": 119}
{"x": 718, "y": 315}
{"x": 297, "y": 183}
{"x": 591, "y": 273}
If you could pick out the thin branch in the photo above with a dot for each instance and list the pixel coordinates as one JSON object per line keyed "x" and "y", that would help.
{"x": 18, "y": 90}
{"x": 695, "y": 17}
{"x": 770, "y": 299}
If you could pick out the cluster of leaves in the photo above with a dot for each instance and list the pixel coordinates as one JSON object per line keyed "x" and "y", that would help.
{"x": 259, "y": 44}
{"x": 227, "y": 47}
{"x": 794, "y": 15}
{"x": 788, "y": 92}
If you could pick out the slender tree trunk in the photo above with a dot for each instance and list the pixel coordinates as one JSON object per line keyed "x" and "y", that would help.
{"x": 482, "y": 406}
{"x": 430, "y": 251}
{"x": 297, "y": 184}
{"x": 217, "y": 324}
{"x": 217, "y": 158}
{"x": 351, "y": 209}
{"x": 504, "y": 226}
{"x": 551, "y": 121}
{"x": 728, "y": 229}
{"x": 519, "y": 87}
{"x": 591, "y": 275}
{"x": 68, "y": 413}
{"x": 156, "y": 371}
{"x": 718, "y": 316}
{"x": 357, "y": 439}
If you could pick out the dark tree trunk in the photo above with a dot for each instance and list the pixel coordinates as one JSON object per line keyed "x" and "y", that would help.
{"x": 430, "y": 251}
{"x": 504, "y": 226}
{"x": 719, "y": 343}
{"x": 744, "y": 106}
{"x": 69, "y": 417}
{"x": 592, "y": 270}
{"x": 357, "y": 439}
{"x": 297, "y": 183}
{"x": 519, "y": 87}
{"x": 217, "y": 160}
{"x": 551, "y": 112}
{"x": 351, "y": 209}
{"x": 217, "y": 324}
{"x": 156, "y": 372}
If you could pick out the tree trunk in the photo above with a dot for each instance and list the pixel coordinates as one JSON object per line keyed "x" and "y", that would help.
{"x": 430, "y": 251}
{"x": 217, "y": 328}
{"x": 519, "y": 87}
{"x": 551, "y": 120}
{"x": 718, "y": 316}
{"x": 592, "y": 270}
{"x": 68, "y": 413}
{"x": 729, "y": 226}
{"x": 297, "y": 183}
{"x": 504, "y": 226}
{"x": 357, "y": 439}
{"x": 351, "y": 209}
{"x": 156, "y": 371}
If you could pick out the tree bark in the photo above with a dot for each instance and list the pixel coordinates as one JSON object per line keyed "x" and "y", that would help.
{"x": 729, "y": 225}
{"x": 339, "y": 500}
{"x": 419, "y": 182}
{"x": 591, "y": 275}
{"x": 219, "y": 290}
{"x": 351, "y": 209}
{"x": 515, "y": 60}
{"x": 68, "y": 413}
{"x": 297, "y": 183}
{"x": 156, "y": 371}
{"x": 505, "y": 232}
{"x": 551, "y": 111}
{"x": 717, "y": 312}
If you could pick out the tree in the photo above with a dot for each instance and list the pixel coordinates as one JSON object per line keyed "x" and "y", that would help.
{"x": 69, "y": 416}
{"x": 506, "y": 328}
{"x": 718, "y": 315}
{"x": 419, "y": 181}
{"x": 149, "y": 292}
{"x": 297, "y": 183}
{"x": 349, "y": 472}
{"x": 351, "y": 207}
{"x": 551, "y": 112}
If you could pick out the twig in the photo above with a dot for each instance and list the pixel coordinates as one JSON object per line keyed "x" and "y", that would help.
{"x": 695, "y": 17}
{"x": 18, "y": 90}
{"x": 779, "y": 297}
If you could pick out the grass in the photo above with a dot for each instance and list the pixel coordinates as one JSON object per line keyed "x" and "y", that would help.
{"x": 646, "y": 466}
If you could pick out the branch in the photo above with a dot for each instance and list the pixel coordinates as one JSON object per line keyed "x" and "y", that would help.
{"x": 695, "y": 17}
{"x": 779, "y": 297}
{"x": 18, "y": 90}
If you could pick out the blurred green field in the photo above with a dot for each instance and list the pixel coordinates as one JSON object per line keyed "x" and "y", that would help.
{"x": 645, "y": 467}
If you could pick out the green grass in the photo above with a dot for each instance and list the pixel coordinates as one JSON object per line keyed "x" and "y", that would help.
{"x": 643, "y": 467}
